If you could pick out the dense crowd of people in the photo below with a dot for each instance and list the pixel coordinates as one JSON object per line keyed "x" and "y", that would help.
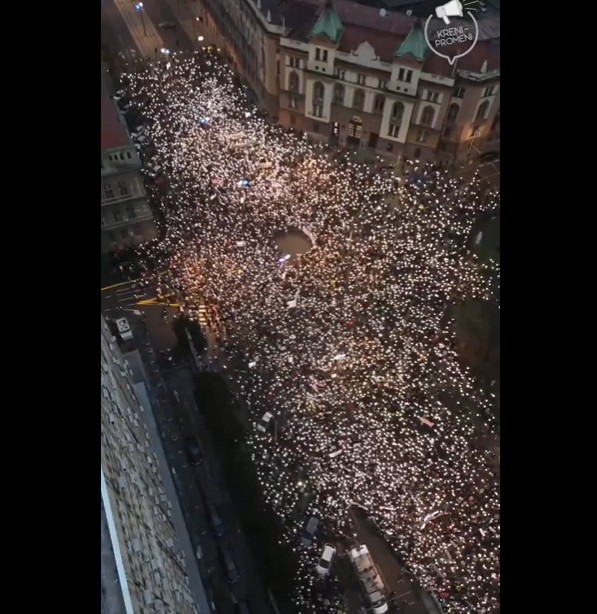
{"x": 349, "y": 346}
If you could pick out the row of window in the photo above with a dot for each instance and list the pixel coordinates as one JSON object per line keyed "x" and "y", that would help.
{"x": 117, "y": 215}
{"x": 404, "y": 75}
{"x": 427, "y": 117}
{"x": 358, "y": 101}
{"x": 123, "y": 234}
{"x": 355, "y": 130}
{"x": 108, "y": 188}
{"x": 123, "y": 155}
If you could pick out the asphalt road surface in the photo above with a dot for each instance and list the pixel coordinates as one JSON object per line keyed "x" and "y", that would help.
{"x": 402, "y": 594}
{"x": 118, "y": 33}
{"x": 293, "y": 243}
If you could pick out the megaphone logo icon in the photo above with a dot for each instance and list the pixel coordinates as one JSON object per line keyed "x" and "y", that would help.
{"x": 450, "y": 9}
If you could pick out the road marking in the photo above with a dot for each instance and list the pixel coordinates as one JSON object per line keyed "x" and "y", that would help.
{"x": 152, "y": 302}
{"x": 122, "y": 283}
{"x": 202, "y": 314}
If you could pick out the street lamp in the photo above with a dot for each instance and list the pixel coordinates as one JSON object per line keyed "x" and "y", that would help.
{"x": 201, "y": 38}
{"x": 139, "y": 9}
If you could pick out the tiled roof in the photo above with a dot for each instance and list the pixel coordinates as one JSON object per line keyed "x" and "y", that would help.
{"x": 114, "y": 133}
{"x": 384, "y": 43}
{"x": 414, "y": 45}
{"x": 328, "y": 25}
{"x": 483, "y": 50}
{"x": 434, "y": 65}
{"x": 386, "y": 34}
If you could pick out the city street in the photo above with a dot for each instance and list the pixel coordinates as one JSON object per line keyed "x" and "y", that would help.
{"x": 402, "y": 594}
{"x": 135, "y": 33}
{"x": 211, "y": 517}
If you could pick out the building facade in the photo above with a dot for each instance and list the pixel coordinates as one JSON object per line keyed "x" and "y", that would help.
{"x": 348, "y": 74}
{"x": 126, "y": 216}
{"x": 143, "y": 569}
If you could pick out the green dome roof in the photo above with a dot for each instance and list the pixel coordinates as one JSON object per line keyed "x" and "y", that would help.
{"x": 328, "y": 25}
{"x": 414, "y": 45}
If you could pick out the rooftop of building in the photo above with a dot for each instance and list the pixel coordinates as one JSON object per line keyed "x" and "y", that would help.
{"x": 114, "y": 132}
{"x": 349, "y": 24}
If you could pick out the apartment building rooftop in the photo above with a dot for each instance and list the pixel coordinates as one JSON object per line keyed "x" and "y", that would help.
{"x": 113, "y": 131}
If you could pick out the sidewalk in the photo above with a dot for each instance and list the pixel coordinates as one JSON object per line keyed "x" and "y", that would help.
{"x": 147, "y": 39}
{"x": 185, "y": 15}
{"x": 196, "y": 582}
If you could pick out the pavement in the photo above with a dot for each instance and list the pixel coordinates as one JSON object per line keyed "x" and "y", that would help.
{"x": 134, "y": 34}
{"x": 293, "y": 243}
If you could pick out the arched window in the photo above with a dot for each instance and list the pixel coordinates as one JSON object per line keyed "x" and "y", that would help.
{"x": 358, "y": 99}
{"x": 355, "y": 127}
{"x": 428, "y": 116}
{"x": 482, "y": 111}
{"x": 318, "y": 99}
{"x": 318, "y": 93}
{"x": 378, "y": 103}
{"x": 453, "y": 111}
{"x": 339, "y": 93}
{"x": 396, "y": 119}
{"x": 293, "y": 82}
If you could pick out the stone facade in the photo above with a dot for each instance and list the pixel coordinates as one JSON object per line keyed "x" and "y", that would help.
{"x": 149, "y": 563}
{"x": 344, "y": 73}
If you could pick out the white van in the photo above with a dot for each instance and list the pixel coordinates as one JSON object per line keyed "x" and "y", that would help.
{"x": 325, "y": 560}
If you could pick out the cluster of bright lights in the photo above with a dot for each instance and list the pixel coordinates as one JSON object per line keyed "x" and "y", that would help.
{"x": 351, "y": 347}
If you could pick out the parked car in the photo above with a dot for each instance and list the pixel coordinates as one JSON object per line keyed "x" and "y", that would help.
{"x": 231, "y": 568}
{"x": 265, "y": 422}
{"x": 310, "y": 531}
{"x": 216, "y": 522}
{"x": 325, "y": 560}
{"x": 193, "y": 451}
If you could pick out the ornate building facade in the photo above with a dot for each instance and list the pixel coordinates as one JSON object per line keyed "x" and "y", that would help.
{"x": 125, "y": 213}
{"x": 349, "y": 74}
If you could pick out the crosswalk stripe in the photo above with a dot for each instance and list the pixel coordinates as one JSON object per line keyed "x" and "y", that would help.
{"x": 202, "y": 313}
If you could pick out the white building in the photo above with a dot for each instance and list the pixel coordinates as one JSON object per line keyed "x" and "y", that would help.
{"x": 126, "y": 217}
{"x": 143, "y": 568}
